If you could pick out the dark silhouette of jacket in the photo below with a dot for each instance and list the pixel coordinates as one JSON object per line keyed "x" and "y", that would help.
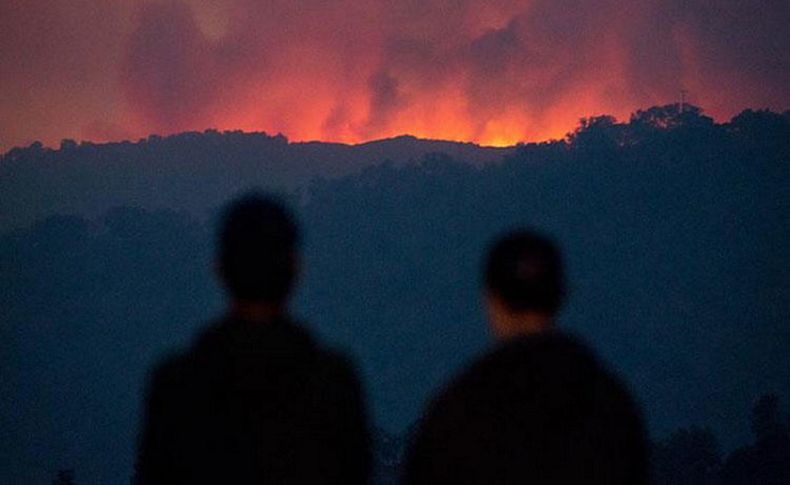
{"x": 536, "y": 410}
{"x": 254, "y": 403}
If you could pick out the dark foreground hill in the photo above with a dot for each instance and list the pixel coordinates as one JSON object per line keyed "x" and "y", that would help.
{"x": 191, "y": 172}
{"x": 675, "y": 230}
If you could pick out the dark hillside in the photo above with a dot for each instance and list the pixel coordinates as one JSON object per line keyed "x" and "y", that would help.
{"x": 675, "y": 231}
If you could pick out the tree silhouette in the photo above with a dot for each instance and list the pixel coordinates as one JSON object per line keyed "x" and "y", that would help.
{"x": 767, "y": 460}
{"x": 690, "y": 456}
{"x": 765, "y": 417}
{"x": 671, "y": 116}
{"x": 64, "y": 477}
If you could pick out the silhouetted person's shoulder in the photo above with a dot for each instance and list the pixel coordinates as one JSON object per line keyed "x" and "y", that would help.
{"x": 253, "y": 402}
{"x": 537, "y": 409}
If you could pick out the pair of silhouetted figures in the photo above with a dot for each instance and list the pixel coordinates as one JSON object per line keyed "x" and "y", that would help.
{"x": 257, "y": 400}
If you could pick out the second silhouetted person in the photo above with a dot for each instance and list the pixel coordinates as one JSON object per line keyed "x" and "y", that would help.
{"x": 539, "y": 408}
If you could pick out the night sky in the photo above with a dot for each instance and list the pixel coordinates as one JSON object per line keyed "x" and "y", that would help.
{"x": 494, "y": 72}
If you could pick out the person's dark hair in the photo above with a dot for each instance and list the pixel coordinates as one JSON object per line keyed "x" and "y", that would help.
{"x": 257, "y": 248}
{"x": 525, "y": 270}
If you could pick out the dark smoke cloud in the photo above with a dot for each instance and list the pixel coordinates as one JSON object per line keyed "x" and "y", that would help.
{"x": 385, "y": 99}
{"x": 171, "y": 69}
{"x": 493, "y": 71}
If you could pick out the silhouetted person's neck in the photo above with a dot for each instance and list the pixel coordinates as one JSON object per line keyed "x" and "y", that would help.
{"x": 256, "y": 311}
{"x": 522, "y": 324}
{"x": 506, "y": 323}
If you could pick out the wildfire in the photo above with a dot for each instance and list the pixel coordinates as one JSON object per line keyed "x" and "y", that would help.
{"x": 495, "y": 73}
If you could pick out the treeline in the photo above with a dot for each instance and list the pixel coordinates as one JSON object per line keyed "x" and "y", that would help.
{"x": 693, "y": 456}
{"x": 688, "y": 456}
{"x": 192, "y": 172}
{"x": 674, "y": 230}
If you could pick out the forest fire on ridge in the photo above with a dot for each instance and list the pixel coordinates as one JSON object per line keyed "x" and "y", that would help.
{"x": 353, "y": 71}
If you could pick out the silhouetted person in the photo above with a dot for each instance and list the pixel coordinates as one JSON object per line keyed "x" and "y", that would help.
{"x": 255, "y": 399}
{"x": 539, "y": 408}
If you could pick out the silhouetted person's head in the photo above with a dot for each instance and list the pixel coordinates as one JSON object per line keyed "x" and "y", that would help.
{"x": 257, "y": 252}
{"x": 524, "y": 285}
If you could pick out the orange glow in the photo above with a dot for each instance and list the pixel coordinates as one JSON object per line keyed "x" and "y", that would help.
{"x": 495, "y": 73}
{"x": 435, "y": 115}
{"x": 495, "y": 81}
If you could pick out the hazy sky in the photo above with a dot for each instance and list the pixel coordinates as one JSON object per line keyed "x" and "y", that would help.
{"x": 495, "y": 71}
